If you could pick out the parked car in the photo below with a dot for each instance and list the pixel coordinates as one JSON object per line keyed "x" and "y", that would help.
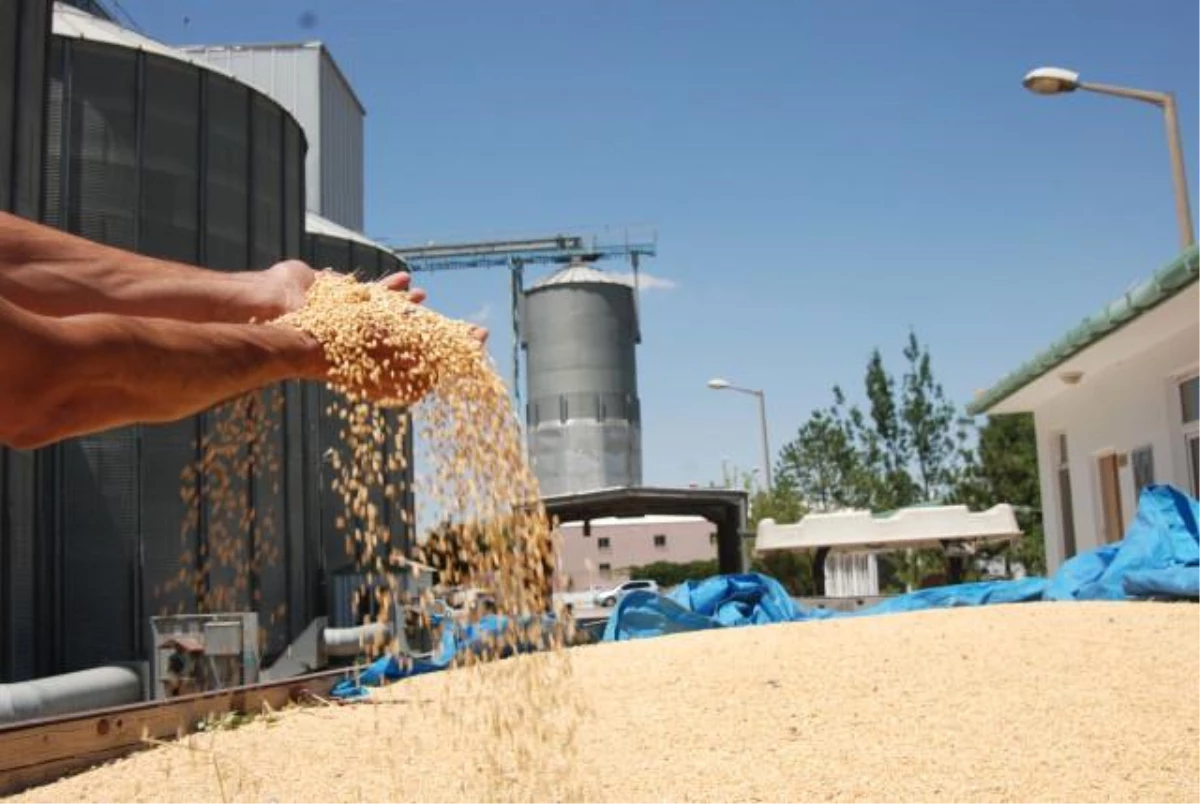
{"x": 609, "y": 597}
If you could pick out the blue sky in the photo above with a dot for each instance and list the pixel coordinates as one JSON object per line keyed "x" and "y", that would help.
{"x": 822, "y": 175}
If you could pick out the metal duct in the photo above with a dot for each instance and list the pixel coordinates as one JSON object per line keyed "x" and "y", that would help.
{"x": 72, "y": 692}
{"x": 346, "y": 642}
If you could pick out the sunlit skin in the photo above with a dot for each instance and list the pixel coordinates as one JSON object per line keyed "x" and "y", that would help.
{"x": 94, "y": 337}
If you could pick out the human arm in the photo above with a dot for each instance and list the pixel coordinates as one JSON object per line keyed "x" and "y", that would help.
{"x": 62, "y": 377}
{"x": 55, "y": 274}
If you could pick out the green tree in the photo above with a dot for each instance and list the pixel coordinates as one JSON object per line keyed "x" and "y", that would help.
{"x": 905, "y": 447}
{"x": 667, "y": 574}
{"x": 822, "y": 464}
{"x": 1003, "y": 469}
{"x": 783, "y": 504}
{"x": 932, "y": 428}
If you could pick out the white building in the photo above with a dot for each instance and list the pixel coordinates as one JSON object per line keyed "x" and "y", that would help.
{"x": 1115, "y": 408}
{"x": 604, "y": 551}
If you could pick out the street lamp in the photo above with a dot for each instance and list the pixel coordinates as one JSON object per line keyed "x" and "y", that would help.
{"x": 718, "y": 384}
{"x": 1055, "y": 81}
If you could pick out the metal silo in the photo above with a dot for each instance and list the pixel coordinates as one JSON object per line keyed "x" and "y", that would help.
{"x": 329, "y": 245}
{"x": 580, "y": 337}
{"x": 155, "y": 152}
{"x": 24, "y": 40}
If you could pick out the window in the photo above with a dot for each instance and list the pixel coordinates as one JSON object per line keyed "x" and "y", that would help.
{"x": 604, "y": 543}
{"x": 1065, "y": 503}
{"x": 605, "y": 569}
{"x": 1189, "y": 409}
{"x": 1189, "y": 400}
{"x": 712, "y": 538}
{"x": 660, "y": 540}
{"x": 1143, "y": 468}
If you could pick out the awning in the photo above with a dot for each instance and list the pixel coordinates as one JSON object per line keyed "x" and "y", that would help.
{"x": 944, "y": 526}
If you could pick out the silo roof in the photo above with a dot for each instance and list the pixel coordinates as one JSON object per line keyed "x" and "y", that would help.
{"x": 319, "y": 225}
{"x": 579, "y": 274}
{"x": 78, "y": 24}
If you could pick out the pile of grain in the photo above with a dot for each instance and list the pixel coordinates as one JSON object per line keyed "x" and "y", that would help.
{"x": 1036, "y": 702}
{"x": 384, "y": 353}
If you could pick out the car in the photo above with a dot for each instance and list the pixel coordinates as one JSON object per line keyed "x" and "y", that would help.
{"x": 609, "y": 597}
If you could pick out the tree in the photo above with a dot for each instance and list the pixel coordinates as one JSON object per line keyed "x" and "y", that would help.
{"x": 822, "y": 465}
{"x": 1003, "y": 469}
{"x": 667, "y": 574}
{"x": 929, "y": 423}
{"x": 905, "y": 448}
{"x": 888, "y": 443}
{"x": 783, "y": 504}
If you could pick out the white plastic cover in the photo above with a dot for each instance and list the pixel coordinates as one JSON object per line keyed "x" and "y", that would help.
{"x": 932, "y": 526}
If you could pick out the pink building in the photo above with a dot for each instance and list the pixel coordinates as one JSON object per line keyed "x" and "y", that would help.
{"x": 612, "y": 546}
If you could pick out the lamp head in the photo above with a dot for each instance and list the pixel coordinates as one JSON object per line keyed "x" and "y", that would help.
{"x": 1051, "y": 80}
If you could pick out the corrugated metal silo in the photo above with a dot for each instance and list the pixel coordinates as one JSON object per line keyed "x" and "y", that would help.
{"x": 583, "y": 415}
{"x": 305, "y": 80}
{"x": 328, "y": 245}
{"x": 155, "y": 152}
{"x": 24, "y": 39}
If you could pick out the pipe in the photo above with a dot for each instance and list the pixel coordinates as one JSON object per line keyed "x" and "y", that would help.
{"x": 345, "y": 642}
{"x": 96, "y": 688}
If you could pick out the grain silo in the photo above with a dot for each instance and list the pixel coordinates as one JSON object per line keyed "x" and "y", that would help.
{"x": 153, "y": 151}
{"x": 580, "y": 334}
{"x": 24, "y": 42}
{"x": 330, "y": 245}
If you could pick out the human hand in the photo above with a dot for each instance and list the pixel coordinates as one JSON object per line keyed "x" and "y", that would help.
{"x": 281, "y": 288}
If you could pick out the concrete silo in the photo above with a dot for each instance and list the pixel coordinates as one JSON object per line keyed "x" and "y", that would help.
{"x": 580, "y": 334}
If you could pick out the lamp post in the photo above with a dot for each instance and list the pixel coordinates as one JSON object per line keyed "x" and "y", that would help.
{"x": 717, "y": 384}
{"x": 1055, "y": 81}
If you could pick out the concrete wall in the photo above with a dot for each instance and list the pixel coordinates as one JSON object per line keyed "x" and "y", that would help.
{"x": 1128, "y": 405}
{"x": 631, "y": 544}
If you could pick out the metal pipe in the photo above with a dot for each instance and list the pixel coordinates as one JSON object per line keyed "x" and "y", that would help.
{"x": 723, "y": 385}
{"x": 766, "y": 445}
{"x": 343, "y": 642}
{"x": 1183, "y": 209}
{"x": 1166, "y": 102}
{"x": 72, "y": 692}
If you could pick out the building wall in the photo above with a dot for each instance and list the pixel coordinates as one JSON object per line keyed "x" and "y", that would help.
{"x": 341, "y": 157}
{"x": 305, "y": 81}
{"x": 631, "y": 544}
{"x": 1127, "y": 406}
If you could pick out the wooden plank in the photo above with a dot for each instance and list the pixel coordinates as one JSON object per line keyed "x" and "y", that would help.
{"x": 37, "y": 752}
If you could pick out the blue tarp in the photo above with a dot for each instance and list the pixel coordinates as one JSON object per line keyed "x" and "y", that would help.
{"x": 490, "y": 633}
{"x": 1158, "y": 558}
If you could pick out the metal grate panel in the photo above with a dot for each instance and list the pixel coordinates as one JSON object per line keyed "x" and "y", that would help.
{"x": 99, "y": 515}
{"x": 227, "y": 168}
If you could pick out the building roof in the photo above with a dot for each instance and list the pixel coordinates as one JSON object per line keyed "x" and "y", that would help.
{"x": 78, "y": 24}
{"x": 919, "y": 526}
{"x": 638, "y": 501}
{"x": 650, "y": 519}
{"x": 319, "y": 225}
{"x": 580, "y": 274}
{"x": 315, "y": 224}
{"x": 312, "y": 45}
{"x": 1164, "y": 284}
